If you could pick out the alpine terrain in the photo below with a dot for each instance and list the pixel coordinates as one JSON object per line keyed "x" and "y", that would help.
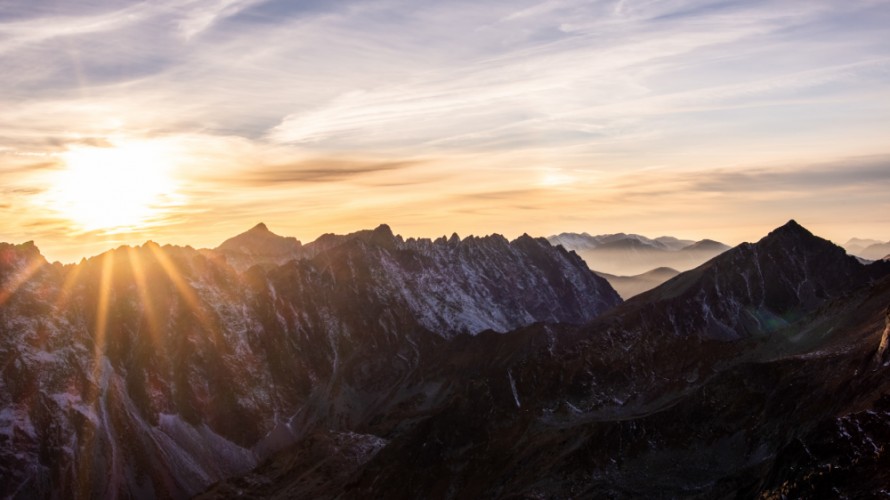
{"x": 157, "y": 371}
{"x": 372, "y": 366}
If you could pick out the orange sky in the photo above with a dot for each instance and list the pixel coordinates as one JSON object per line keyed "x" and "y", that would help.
{"x": 187, "y": 123}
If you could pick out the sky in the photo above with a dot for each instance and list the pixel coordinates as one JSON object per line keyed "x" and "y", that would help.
{"x": 190, "y": 121}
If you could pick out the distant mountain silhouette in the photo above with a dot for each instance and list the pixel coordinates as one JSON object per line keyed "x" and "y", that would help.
{"x": 259, "y": 245}
{"x": 629, "y": 286}
{"x": 876, "y": 252}
{"x": 867, "y": 248}
{"x": 674, "y": 243}
{"x": 632, "y": 254}
{"x": 706, "y": 246}
{"x": 856, "y": 245}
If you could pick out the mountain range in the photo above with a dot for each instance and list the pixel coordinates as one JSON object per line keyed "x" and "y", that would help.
{"x": 371, "y": 366}
{"x": 868, "y": 249}
{"x": 155, "y": 371}
{"x": 633, "y": 263}
{"x": 632, "y": 254}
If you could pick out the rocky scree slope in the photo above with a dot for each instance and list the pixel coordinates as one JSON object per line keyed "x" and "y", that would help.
{"x": 637, "y": 404}
{"x": 155, "y": 371}
{"x": 456, "y": 285}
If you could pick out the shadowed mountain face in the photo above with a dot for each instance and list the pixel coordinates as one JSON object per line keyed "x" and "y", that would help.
{"x": 757, "y": 288}
{"x": 259, "y": 246}
{"x": 156, "y": 371}
{"x": 632, "y": 254}
{"x": 635, "y": 405}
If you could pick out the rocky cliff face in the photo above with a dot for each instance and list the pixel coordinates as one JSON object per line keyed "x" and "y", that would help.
{"x": 155, "y": 371}
{"x": 259, "y": 246}
{"x": 757, "y": 288}
{"x": 633, "y": 405}
{"x": 451, "y": 285}
{"x": 373, "y": 367}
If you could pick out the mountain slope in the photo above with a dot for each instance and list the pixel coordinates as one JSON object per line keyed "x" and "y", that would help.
{"x": 258, "y": 245}
{"x": 629, "y": 406}
{"x": 154, "y": 371}
{"x": 757, "y": 288}
{"x": 467, "y": 286}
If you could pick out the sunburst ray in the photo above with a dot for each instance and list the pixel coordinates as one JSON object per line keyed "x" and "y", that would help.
{"x": 142, "y": 288}
{"x": 12, "y": 285}
{"x": 101, "y": 326}
{"x": 185, "y": 290}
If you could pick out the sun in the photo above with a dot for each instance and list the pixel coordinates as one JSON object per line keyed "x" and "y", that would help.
{"x": 114, "y": 189}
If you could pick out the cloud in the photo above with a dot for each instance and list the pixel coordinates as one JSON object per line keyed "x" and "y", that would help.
{"x": 201, "y": 15}
{"x": 869, "y": 173}
{"x": 316, "y": 171}
{"x": 391, "y": 76}
{"x": 349, "y": 112}
{"x": 616, "y": 75}
{"x": 35, "y": 30}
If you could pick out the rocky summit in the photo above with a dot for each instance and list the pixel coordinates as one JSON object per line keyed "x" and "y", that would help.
{"x": 156, "y": 371}
{"x": 370, "y": 366}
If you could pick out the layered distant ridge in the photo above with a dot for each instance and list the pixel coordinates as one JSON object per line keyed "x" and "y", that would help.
{"x": 623, "y": 254}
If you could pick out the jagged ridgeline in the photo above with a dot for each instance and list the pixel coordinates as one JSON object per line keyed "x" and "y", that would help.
{"x": 370, "y": 366}
{"x": 156, "y": 371}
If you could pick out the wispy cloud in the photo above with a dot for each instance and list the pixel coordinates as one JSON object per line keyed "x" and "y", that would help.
{"x": 364, "y": 111}
{"x": 201, "y": 15}
{"x": 869, "y": 173}
{"x": 315, "y": 171}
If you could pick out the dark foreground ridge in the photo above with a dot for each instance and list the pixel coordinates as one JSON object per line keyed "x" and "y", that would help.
{"x": 368, "y": 366}
{"x": 156, "y": 371}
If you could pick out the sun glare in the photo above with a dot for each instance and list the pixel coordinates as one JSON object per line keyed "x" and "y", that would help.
{"x": 115, "y": 189}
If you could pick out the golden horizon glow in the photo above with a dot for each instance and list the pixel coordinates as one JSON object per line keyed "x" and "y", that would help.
{"x": 690, "y": 118}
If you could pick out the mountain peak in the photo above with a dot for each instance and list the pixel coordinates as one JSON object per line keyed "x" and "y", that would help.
{"x": 707, "y": 245}
{"x": 794, "y": 239}
{"x": 792, "y": 228}
{"x": 384, "y": 230}
{"x": 10, "y": 252}
{"x": 382, "y": 235}
{"x": 259, "y": 245}
{"x": 792, "y": 233}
